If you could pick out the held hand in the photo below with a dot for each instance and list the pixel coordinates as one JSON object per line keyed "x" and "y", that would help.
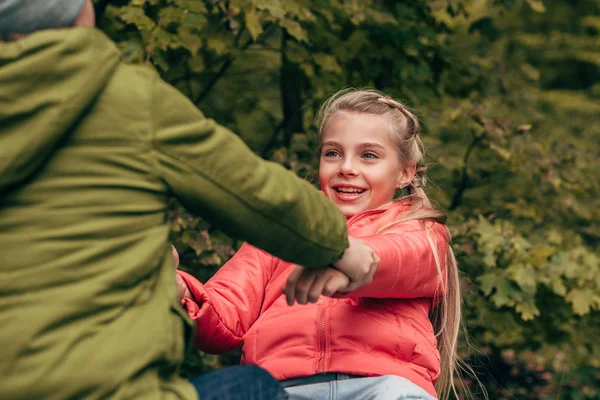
{"x": 359, "y": 263}
{"x": 306, "y": 285}
{"x": 184, "y": 292}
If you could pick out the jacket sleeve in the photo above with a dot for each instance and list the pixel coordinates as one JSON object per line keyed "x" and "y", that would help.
{"x": 407, "y": 267}
{"x": 230, "y": 302}
{"x": 216, "y": 176}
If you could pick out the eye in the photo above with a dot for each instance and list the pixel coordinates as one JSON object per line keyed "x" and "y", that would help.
{"x": 370, "y": 155}
{"x": 331, "y": 153}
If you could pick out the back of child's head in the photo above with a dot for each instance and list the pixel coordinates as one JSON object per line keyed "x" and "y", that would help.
{"x": 28, "y": 16}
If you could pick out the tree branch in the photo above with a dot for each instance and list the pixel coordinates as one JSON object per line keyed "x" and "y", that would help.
{"x": 272, "y": 140}
{"x": 230, "y": 58}
{"x": 464, "y": 179}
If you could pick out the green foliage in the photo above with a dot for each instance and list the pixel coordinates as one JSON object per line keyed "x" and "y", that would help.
{"x": 509, "y": 92}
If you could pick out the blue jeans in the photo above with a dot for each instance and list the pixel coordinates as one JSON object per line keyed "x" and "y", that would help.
{"x": 337, "y": 386}
{"x": 243, "y": 382}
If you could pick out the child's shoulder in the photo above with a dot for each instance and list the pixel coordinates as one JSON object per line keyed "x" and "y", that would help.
{"x": 400, "y": 217}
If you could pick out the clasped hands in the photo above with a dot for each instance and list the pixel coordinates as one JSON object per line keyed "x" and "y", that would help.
{"x": 356, "y": 268}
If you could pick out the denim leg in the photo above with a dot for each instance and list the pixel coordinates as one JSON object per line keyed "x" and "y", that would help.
{"x": 387, "y": 387}
{"x": 314, "y": 391}
{"x": 243, "y": 382}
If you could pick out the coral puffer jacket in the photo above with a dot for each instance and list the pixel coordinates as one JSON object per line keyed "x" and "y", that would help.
{"x": 380, "y": 329}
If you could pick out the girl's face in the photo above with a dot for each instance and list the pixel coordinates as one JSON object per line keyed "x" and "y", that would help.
{"x": 360, "y": 166}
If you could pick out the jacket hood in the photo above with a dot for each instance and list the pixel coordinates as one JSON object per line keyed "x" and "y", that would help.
{"x": 47, "y": 81}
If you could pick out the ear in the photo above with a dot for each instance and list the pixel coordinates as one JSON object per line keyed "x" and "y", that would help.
{"x": 406, "y": 175}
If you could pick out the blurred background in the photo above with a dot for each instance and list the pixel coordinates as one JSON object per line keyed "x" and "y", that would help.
{"x": 508, "y": 92}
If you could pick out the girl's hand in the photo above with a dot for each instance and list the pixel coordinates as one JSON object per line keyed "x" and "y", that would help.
{"x": 307, "y": 285}
{"x": 184, "y": 291}
{"x": 359, "y": 263}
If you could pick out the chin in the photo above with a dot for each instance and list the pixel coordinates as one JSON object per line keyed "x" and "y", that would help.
{"x": 347, "y": 211}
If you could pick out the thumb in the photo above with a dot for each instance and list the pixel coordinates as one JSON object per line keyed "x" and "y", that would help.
{"x": 336, "y": 283}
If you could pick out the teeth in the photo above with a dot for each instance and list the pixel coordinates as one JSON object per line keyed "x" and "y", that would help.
{"x": 349, "y": 190}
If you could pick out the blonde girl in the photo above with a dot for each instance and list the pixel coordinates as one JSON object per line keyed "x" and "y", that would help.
{"x": 394, "y": 338}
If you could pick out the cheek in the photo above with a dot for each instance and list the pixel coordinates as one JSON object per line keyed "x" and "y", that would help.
{"x": 383, "y": 186}
{"x": 324, "y": 174}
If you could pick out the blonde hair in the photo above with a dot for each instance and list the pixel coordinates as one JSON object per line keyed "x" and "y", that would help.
{"x": 405, "y": 128}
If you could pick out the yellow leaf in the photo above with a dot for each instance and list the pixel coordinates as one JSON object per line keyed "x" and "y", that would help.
{"x": 581, "y": 299}
{"x": 540, "y": 254}
{"x": 196, "y": 63}
{"x": 219, "y": 46}
{"x": 537, "y": 5}
{"x": 253, "y": 23}
{"x": 527, "y": 310}
{"x": 192, "y": 41}
{"x": 295, "y": 30}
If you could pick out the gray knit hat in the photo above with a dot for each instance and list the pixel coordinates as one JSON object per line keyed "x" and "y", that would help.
{"x": 27, "y": 16}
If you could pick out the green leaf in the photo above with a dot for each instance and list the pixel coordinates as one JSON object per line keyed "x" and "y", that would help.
{"x": 198, "y": 241}
{"x": 273, "y": 6}
{"x": 501, "y": 152}
{"x": 523, "y": 275}
{"x": 135, "y": 15}
{"x": 196, "y": 64}
{"x": 190, "y": 40}
{"x": 540, "y": 254}
{"x": 487, "y": 283}
{"x": 502, "y": 295}
{"x": 381, "y": 17}
{"x": 327, "y": 62}
{"x": 219, "y": 45}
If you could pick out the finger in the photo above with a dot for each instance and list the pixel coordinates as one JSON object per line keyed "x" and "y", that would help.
{"x": 175, "y": 256}
{"x": 184, "y": 291}
{"x": 317, "y": 287}
{"x": 335, "y": 284}
{"x": 290, "y": 285}
{"x": 304, "y": 284}
{"x": 351, "y": 287}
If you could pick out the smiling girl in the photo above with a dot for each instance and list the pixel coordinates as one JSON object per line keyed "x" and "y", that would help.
{"x": 394, "y": 338}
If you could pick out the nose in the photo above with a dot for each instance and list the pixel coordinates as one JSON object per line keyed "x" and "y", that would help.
{"x": 347, "y": 169}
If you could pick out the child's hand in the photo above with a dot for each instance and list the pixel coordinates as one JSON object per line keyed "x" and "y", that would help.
{"x": 306, "y": 285}
{"x": 184, "y": 291}
{"x": 359, "y": 263}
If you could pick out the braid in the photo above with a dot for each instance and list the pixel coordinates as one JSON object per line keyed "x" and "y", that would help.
{"x": 412, "y": 123}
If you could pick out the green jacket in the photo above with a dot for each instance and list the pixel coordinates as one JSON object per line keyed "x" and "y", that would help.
{"x": 91, "y": 150}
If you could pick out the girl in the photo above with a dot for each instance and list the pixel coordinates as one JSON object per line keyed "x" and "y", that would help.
{"x": 394, "y": 338}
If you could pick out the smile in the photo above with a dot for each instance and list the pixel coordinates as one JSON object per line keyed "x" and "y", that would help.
{"x": 348, "y": 193}
{"x": 345, "y": 190}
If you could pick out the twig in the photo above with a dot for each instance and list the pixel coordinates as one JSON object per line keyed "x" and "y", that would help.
{"x": 230, "y": 58}
{"x": 464, "y": 180}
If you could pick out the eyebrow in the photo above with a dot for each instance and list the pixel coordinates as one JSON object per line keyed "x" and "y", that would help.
{"x": 366, "y": 145}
